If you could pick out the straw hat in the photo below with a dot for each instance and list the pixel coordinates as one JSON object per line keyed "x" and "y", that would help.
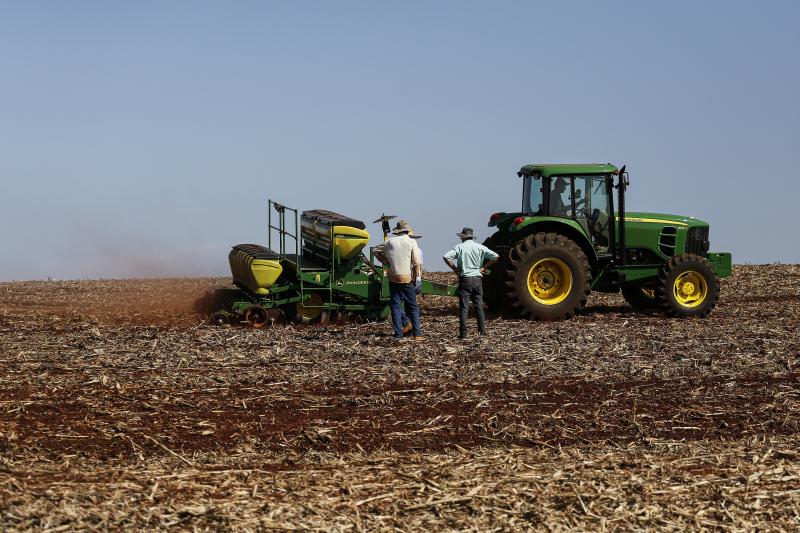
{"x": 402, "y": 227}
{"x": 466, "y": 233}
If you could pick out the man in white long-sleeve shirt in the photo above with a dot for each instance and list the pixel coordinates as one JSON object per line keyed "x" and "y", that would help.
{"x": 404, "y": 261}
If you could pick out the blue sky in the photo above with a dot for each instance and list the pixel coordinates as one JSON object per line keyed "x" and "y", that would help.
{"x": 144, "y": 138}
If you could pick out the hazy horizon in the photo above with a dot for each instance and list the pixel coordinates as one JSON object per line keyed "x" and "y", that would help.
{"x": 144, "y": 139}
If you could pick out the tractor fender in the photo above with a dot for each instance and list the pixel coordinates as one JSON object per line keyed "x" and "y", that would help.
{"x": 567, "y": 228}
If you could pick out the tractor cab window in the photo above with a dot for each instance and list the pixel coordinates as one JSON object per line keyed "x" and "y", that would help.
{"x": 581, "y": 189}
{"x": 532, "y": 195}
{"x": 585, "y": 200}
{"x": 567, "y": 196}
{"x": 560, "y": 204}
{"x": 595, "y": 213}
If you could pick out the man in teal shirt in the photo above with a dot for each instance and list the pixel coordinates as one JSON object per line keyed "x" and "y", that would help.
{"x": 471, "y": 261}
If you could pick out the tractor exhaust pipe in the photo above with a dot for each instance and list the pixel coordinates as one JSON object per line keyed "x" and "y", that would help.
{"x": 622, "y": 184}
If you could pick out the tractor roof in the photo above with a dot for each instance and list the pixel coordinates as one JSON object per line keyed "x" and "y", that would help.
{"x": 547, "y": 169}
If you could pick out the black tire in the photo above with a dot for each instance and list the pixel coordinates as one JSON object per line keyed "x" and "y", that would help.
{"x": 640, "y": 297}
{"x": 559, "y": 265}
{"x": 220, "y": 318}
{"x": 687, "y": 286}
{"x": 494, "y": 288}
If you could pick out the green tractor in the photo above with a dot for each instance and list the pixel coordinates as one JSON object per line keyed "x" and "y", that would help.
{"x": 570, "y": 237}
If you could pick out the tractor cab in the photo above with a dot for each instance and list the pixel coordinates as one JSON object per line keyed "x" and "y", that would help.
{"x": 573, "y": 199}
{"x": 583, "y": 198}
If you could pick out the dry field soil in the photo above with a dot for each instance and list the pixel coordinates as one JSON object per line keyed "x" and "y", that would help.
{"x": 121, "y": 408}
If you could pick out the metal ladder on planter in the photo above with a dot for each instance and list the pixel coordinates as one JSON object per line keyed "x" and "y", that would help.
{"x": 282, "y": 234}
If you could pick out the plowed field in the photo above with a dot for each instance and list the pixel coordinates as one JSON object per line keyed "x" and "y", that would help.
{"x": 121, "y": 408}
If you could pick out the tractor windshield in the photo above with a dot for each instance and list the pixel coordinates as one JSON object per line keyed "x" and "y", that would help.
{"x": 584, "y": 199}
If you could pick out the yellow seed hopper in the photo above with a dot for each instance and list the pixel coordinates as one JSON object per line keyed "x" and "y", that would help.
{"x": 255, "y": 267}
{"x": 319, "y": 226}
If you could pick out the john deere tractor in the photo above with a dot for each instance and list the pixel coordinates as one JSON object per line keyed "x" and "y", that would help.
{"x": 570, "y": 237}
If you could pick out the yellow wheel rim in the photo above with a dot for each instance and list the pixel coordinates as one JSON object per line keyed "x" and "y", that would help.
{"x": 690, "y": 289}
{"x": 311, "y": 308}
{"x": 550, "y": 281}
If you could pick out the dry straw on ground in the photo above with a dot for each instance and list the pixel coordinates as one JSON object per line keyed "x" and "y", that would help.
{"x": 120, "y": 408}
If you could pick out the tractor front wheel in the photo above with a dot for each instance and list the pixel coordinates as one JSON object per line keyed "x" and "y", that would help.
{"x": 549, "y": 277}
{"x": 688, "y": 286}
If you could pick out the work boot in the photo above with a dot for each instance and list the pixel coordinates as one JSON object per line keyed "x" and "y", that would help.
{"x": 419, "y": 338}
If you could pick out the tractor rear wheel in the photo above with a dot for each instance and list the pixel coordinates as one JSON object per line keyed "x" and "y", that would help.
{"x": 549, "y": 277}
{"x": 640, "y": 297}
{"x": 688, "y": 286}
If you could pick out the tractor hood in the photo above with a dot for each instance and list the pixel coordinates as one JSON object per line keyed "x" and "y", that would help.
{"x": 661, "y": 218}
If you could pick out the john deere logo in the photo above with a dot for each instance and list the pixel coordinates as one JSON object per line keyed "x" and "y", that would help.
{"x": 342, "y": 283}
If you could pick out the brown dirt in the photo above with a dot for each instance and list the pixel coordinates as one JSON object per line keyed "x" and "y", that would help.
{"x": 119, "y": 407}
{"x": 102, "y": 421}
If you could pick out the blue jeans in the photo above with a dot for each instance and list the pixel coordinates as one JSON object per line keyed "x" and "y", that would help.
{"x": 399, "y": 294}
{"x": 403, "y": 316}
